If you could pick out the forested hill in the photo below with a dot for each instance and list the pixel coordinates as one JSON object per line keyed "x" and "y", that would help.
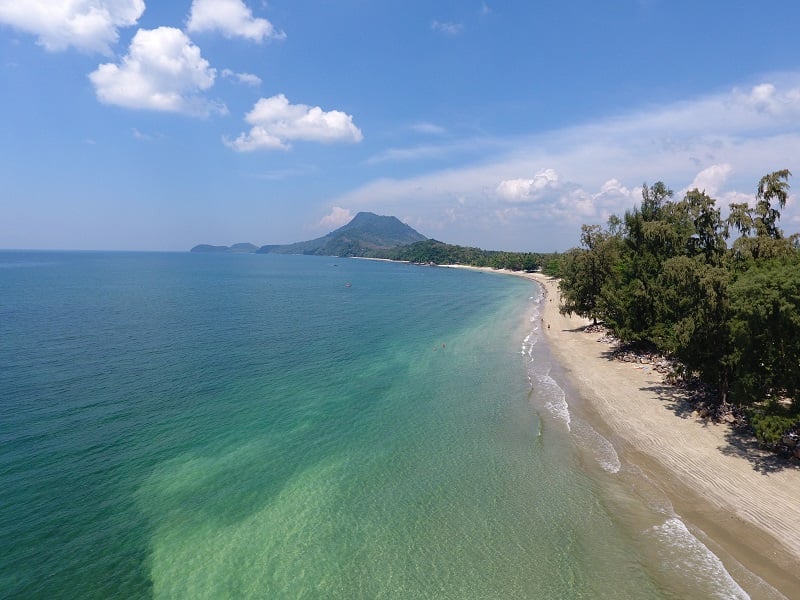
{"x": 364, "y": 235}
{"x": 439, "y": 253}
{"x": 722, "y": 296}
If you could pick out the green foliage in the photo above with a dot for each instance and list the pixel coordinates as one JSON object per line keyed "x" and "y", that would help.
{"x": 765, "y": 327}
{"x": 438, "y": 253}
{"x": 552, "y": 264}
{"x": 761, "y": 238}
{"x": 692, "y": 315}
{"x": 584, "y": 271}
{"x": 769, "y": 427}
{"x": 664, "y": 275}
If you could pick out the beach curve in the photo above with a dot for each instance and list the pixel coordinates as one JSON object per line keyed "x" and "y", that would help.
{"x": 752, "y": 513}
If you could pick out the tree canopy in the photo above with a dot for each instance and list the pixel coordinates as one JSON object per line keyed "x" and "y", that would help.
{"x": 722, "y": 295}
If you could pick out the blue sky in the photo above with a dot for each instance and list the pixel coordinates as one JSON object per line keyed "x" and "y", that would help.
{"x": 136, "y": 124}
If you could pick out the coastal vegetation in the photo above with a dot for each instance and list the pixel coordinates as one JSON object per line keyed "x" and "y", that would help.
{"x": 720, "y": 296}
{"x": 439, "y": 253}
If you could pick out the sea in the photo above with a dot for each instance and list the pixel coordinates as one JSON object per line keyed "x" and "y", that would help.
{"x": 178, "y": 425}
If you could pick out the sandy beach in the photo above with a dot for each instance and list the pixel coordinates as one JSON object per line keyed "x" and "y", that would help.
{"x": 744, "y": 499}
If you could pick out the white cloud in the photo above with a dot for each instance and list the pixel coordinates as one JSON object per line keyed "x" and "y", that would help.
{"x": 447, "y": 27}
{"x": 408, "y": 154}
{"x": 162, "y": 71}
{"x": 146, "y": 137}
{"x": 428, "y": 128}
{"x": 528, "y": 190}
{"x": 244, "y": 78}
{"x": 766, "y": 99}
{"x": 231, "y": 18}
{"x": 275, "y": 122}
{"x": 579, "y": 205}
{"x": 711, "y": 179}
{"x": 88, "y": 25}
{"x": 338, "y": 216}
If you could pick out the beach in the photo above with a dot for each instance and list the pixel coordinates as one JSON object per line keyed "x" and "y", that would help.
{"x": 743, "y": 499}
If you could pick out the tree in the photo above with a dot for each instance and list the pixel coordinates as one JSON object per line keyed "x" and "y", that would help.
{"x": 760, "y": 236}
{"x": 765, "y": 329}
{"x": 584, "y": 271}
{"x": 693, "y": 318}
{"x": 710, "y": 231}
{"x": 651, "y": 233}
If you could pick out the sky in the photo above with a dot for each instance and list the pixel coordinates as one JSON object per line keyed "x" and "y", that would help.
{"x": 502, "y": 124}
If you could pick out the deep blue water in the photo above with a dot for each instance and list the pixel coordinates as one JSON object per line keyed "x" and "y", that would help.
{"x": 185, "y": 425}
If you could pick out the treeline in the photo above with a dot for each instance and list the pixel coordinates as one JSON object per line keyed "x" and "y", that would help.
{"x": 722, "y": 296}
{"x": 439, "y": 253}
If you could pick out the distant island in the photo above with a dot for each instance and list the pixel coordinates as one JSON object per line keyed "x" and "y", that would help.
{"x": 369, "y": 235}
{"x": 243, "y": 248}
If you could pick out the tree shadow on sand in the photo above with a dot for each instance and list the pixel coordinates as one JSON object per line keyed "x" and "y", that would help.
{"x": 687, "y": 404}
{"x": 744, "y": 445}
{"x": 740, "y": 442}
{"x": 680, "y": 401}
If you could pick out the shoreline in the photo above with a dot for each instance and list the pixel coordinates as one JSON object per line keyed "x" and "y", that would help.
{"x": 747, "y": 508}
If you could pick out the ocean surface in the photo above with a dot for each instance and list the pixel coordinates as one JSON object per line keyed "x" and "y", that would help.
{"x": 256, "y": 426}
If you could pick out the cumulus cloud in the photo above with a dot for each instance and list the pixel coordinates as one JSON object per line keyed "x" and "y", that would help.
{"x": 244, "y": 78}
{"x": 766, "y": 99}
{"x": 232, "y": 18}
{"x": 162, "y": 71}
{"x": 528, "y": 190}
{"x": 711, "y": 179}
{"x": 338, "y": 216}
{"x": 275, "y": 123}
{"x": 88, "y": 25}
{"x": 581, "y": 205}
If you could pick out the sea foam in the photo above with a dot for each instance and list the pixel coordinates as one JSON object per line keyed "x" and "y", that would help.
{"x": 682, "y": 551}
{"x": 588, "y": 438}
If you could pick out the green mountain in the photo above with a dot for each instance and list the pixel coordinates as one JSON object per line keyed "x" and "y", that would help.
{"x": 366, "y": 235}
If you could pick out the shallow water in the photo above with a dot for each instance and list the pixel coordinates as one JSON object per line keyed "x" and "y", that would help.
{"x": 183, "y": 425}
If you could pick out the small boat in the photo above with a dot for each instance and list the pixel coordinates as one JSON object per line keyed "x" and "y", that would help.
{"x": 348, "y": 284}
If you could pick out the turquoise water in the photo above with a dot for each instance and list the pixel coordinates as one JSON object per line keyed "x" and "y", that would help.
{"x": 200, "y": 426}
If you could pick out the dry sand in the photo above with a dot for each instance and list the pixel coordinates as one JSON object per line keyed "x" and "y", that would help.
{"x": 746, "y": 500}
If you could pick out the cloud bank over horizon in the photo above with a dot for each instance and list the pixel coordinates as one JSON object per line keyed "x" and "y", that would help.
{"x": 555, "y": 181}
